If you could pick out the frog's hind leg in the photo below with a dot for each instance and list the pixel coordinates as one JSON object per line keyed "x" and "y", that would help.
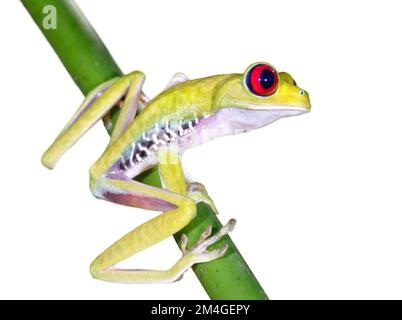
{"x": 98, "y": 103}
{"x": 134, "y": 97}
{"x": 179, "y": 211}
{"x": 89, "y": 100}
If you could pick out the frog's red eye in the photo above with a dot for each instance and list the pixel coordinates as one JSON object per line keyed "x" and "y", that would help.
{"x": 262, "y": 80}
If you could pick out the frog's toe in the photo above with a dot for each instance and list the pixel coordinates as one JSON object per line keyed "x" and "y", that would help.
{"x": 206, "y": 255}
{"x": 200, "y": 252}
{"x": 183, "y": 244}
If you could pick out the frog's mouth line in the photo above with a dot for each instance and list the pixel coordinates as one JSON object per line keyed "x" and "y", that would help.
{"x": 294, "y": 110}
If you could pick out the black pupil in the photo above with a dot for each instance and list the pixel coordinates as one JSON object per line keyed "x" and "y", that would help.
{"x": 267, "y": 78}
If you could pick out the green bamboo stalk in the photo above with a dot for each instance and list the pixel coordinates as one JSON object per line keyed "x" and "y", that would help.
{"x": 89, "y": 63}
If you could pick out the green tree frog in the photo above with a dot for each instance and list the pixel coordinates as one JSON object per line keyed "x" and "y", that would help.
{"x": 156, "y": 132}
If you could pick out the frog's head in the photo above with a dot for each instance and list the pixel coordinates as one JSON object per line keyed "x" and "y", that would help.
{"x": 260, "y": 96}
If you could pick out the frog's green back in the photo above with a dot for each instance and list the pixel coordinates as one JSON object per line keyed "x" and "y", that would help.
{"x": 184, "y": 101}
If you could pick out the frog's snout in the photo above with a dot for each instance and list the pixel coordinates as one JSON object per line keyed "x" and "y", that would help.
{"x": 305, "y": 99}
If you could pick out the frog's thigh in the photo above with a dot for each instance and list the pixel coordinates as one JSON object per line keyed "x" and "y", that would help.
{"x": 89, "y": 100}
{"x": 134, "y": 194}
{"x": 91, "y": 111}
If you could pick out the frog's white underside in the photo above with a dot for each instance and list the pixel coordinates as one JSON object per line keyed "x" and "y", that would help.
{"x": 226, "y": 121}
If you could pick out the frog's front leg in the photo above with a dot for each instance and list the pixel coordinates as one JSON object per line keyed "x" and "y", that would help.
{"x": 180, "y": 210}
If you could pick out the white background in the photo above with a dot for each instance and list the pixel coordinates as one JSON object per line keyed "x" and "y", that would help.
{"x": 317, "y": 197}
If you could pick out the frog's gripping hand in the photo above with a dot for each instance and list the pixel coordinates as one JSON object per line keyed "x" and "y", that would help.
{"x": 125, "y": 92}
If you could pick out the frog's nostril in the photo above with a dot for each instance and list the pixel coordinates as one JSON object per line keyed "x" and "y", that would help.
{"x": 301, "y": 92}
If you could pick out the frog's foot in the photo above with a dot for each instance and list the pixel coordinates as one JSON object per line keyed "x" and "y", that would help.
{"x": 199, "y": 252}
{"x": 198, "y": 193}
